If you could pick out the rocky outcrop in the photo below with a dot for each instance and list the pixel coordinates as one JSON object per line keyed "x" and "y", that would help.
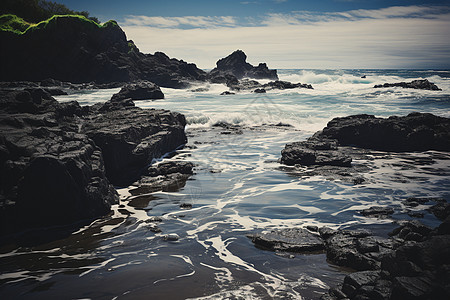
{"x": 329, "y": 152}
{"x": 142, "y": 90}
{"x": 256, "y": 87}
{"x": 77, "y": 50}
{"x": 51, "y": 175}
{"x": 59, "y": 159}
{"x": 414, "y": 132}
{"x": 130, "y": 138}
{"x": 413, "y": 264}
{"x": 236, "y": 65}
{"x": 423, "y": 84}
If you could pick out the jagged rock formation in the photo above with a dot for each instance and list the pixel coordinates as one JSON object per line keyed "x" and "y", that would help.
{"x": 58, "y": 160}
{"x": 235, "y": 66}
{"x": 423, "y": 84}
{"x": 77, "y": 50}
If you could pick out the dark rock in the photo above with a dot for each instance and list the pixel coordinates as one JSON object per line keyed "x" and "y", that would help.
{"x": 59, "y": 158}
{"x": 415, "y": 132}
{"x": 292, "y": 239}
{"x": 142, "y": 90}
{"x": 259, "y": 91}
{"x": 283, "y": 85}
{"x": 48, "y": 166}
{"x": 56, "y": 92}
{"x": 355, "y": 282}
{"x": 247, "y": 84}
{"x": 423, "y": 84}
{"x": 74, "y": 49}
{"x": 236, "y": 65}
{"x": 314, "y": 153}
{"x": 131, "y": 138}
{"x": 364, "y": 76}
{"x": 377, "y": 212}
{"x": 441, "y": 210}
{"x": 413, "y": 226}
{"x": 342, "y": 249}
{"x": 413, "y": 201}
{"x": 185, "y": 205}
{"x": 227, "y": 93}
{"x": 170, "y": 167}
{"x": 412, "y": 287}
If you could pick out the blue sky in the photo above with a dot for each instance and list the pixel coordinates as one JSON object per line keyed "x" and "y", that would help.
{"x": 287, "y": 33}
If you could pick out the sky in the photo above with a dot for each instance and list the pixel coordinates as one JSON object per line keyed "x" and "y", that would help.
{"x": 328, "y": 34}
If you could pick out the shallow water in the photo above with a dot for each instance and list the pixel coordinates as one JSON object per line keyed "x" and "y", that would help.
{"x": 238, "y": 189}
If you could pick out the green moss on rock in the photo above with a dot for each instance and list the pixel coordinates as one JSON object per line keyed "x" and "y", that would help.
{"x": 19, "y": 26}
{"x": 13, "y": 24}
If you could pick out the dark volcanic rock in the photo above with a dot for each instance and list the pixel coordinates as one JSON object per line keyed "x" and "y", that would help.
{"x": 131, "y": 138}
{"x": 167, "y": 176}
{"x": 259, "y": 91}
{"x": 51, "y": 175}
{"x": 142, "y": 90}
{"x": 247, "y": 84}
{"x": 415, "y": 132}
{"x": 378, "y": 212}
{"x": 77, "y": 50}
{"x": 314, "y": 152}
{"x": 415, "y": 84}
{"x": 58, "y": 159}
{"x": 236, "y": 65}
{"x": 227, "y": 93}
{"x": 405, "y": 268}
{"x": 292, "y": 239}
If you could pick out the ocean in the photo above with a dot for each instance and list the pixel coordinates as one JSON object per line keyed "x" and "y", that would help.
{"x": 239, "y": 189}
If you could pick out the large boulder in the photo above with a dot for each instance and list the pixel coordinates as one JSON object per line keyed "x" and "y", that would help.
{"x": 142, "y": 90}
{"x": 236, "y": 65}
{"x": 77, "y": 50}
{"x": 130, "y": 138}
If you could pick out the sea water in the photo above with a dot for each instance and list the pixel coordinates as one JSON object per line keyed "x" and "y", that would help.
{"x": 239, "y": 189}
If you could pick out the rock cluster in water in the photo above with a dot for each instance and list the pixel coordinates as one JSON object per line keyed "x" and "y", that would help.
{"x": 415, "y": 132}
{"x": 413, "y": 263}
{"x": 422, "y": 84}
{"x": 59, "y": 160}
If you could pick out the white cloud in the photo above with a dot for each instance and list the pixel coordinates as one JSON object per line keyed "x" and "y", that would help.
{"x": 172, "y": 22}
{"x": 388, "y": 38}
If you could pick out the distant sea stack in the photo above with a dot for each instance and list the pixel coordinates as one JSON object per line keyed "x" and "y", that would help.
{"x": 78, "y": 50}
{"x": 235, "y": 67}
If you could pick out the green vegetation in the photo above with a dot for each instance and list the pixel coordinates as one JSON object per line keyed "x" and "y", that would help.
{"x": 35, "y": 11}
{"x": 19, "y": 26}
{"x": 13, "y": 23}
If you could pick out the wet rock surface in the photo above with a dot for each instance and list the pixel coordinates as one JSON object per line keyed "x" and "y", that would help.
{"x": 330, "y": 152}
{"x": 413, "y": 264}
{"x": 60, "y": 159}
{"x": 164, "y": 176}
{"x": 423, "y": 84}
{"x": 293, "y": 240}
